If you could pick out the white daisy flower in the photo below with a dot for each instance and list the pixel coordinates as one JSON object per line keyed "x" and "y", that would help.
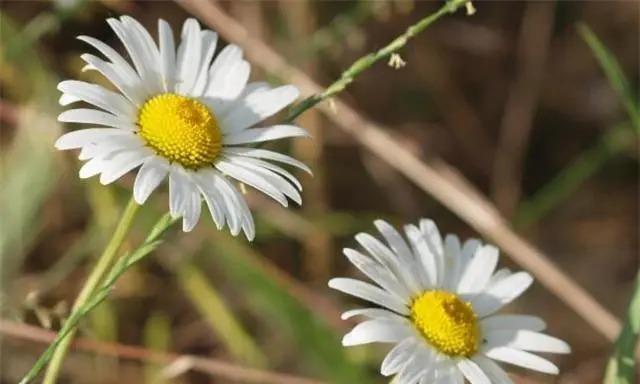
{"x": 438, "y": 302}
{"x": 181, "y": 114}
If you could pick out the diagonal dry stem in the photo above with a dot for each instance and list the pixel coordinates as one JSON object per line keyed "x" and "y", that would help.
{"x": 449, "y": 188}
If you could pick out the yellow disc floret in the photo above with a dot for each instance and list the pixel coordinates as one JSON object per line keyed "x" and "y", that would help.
{"x": 180, "y": 129}
{"x": 446, "y": 322}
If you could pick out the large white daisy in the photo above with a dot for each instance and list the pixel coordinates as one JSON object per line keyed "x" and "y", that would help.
{"x": 181, "y": 114}
{"x": 438, "y": 302}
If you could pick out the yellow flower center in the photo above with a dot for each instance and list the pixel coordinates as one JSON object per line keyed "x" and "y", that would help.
{"x": 446, "y": 322}
{"x": 180, "y": 129}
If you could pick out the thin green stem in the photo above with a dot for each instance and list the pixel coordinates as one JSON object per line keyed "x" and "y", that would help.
{"x": 367, "y": 61}
{"x": 621, "y": 367}
{"x": 100, "y": 294}
{"x": 97, "y": 275}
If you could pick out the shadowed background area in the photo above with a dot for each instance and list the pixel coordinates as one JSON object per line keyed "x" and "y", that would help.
{"x": 512, "y": 98}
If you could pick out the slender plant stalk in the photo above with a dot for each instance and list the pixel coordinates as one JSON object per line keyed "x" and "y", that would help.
{"x": 93, "y": 281}
{"x": 621, "y": 366}
{"x": 365, "y": 62}
{"x": 614, "y": 73}
{"x": 100, "y": 294}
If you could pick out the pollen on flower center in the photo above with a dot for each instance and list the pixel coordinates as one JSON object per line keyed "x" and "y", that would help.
{"x": 180, "y": 129}
{"x": 446, "y": 322}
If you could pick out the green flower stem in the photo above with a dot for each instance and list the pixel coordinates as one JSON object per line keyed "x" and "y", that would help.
{"x": 621, "y": 367}
{"x": 367, "y": 61}
{"x": 97, "y": 275}
{"x": 121, "y": 266}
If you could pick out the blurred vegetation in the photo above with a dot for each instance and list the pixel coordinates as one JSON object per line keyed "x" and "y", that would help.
{"x": 214, "y": 295}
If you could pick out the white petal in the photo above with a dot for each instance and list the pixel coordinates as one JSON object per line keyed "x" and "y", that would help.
{"x": 472, "y": 372}
{"x": 425, "y": 257}
{"x": 268, "y": 155}
{"x": 137, "y": 53}
{"x": 129, "y": 84}
{"x": 522, "y": 359}
{"x": 379, "y": 274}
{"x": 92, "y": 168}
{"x": 148, "y": 51}
{"x": 209, "y": 41}
{"x": 256, "y": 135}
{"x": 122, "y": 163}
{"x": 228, "y": 75}
{"x": 501, "y": 293}
{"x": 95, "y": 116}
{"x": 452, "y": 262}
{"x": 167, "y": 55}
{"x": 389, "y": 260}
{"x": 241, "y": 211}
{"x": 371, "y": 313}
{"x": 178, "y": 191}
{"x": 397, "y": 357}
{"x": 395, "y": 241}
{"x": 100, "y": 97}
{"x": 264, "y": 165}
{"x": 252, "y": 179}
{"x": 496, "y": 374}
{"x": 479, "y": 270}
{"x": 376, "y": 331}
{"x": 150, "y": 175}
{"x": 368, "y": 292}
{"x": 258, "y": 106}
{"x": 532, "y": 323}
{"x": 526, "y": 340}
{"x": 189, "y": 56}
{"x": 192, "y": 209}
{"x": 82, "y": 137}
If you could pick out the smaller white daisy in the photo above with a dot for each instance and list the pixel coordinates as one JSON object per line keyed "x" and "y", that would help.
{"x": 438, "y": 302}
{"x": 180, "y": 113}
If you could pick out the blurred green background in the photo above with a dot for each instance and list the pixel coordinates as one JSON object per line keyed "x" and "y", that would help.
{"x": 512, "y": 97}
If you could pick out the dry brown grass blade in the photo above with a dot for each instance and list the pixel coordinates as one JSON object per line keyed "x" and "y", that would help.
{"x": 452, "y": 190}
{"x": 209, "y": 366}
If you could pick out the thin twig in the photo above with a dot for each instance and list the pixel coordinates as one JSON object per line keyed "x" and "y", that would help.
{"x": 467, "y": 203}
{"x": 214, "y": 367}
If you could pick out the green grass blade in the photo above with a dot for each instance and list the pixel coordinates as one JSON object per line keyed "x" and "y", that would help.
{"x": 621, "y": 368}
{"x": 614, "y": 73}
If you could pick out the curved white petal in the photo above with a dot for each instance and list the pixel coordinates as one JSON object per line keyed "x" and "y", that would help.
{"x": 122, "y": 163}
{"x": 398, "y": 356}
{"x": 368, "y": 292}
{"x": 501, "y": 293}
{"x": 522, "y": 359}
{"x": 167, "y": 53}
{"x": 257, "y": 135}
{"x": 149, "y": 177}
{"x": 478, "y": 271}
{"x": 258, "y": 153}
{"x": 251, "y": 178}
{"x": 497, "y": 322}
{"x": 209, "y": 41}
{"x": 496, "y": 374}
{"x": 472, "y": 372}
{"x": 376, "y": 331}
{"x": 257, "y": 106}
{"x": 189, "y": 56}
{"x": 82, "y": 137}
{"x": 129, "y": 84}
{"x": 379, "y": 274}
{"x": 95, "y": 116}
{"x": 371, "y": 313}
{"x": 100, "y": 97}
{"x": 526, "y": 340}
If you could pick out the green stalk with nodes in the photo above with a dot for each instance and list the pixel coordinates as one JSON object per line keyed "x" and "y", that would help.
{"x": 365, "y": 62}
